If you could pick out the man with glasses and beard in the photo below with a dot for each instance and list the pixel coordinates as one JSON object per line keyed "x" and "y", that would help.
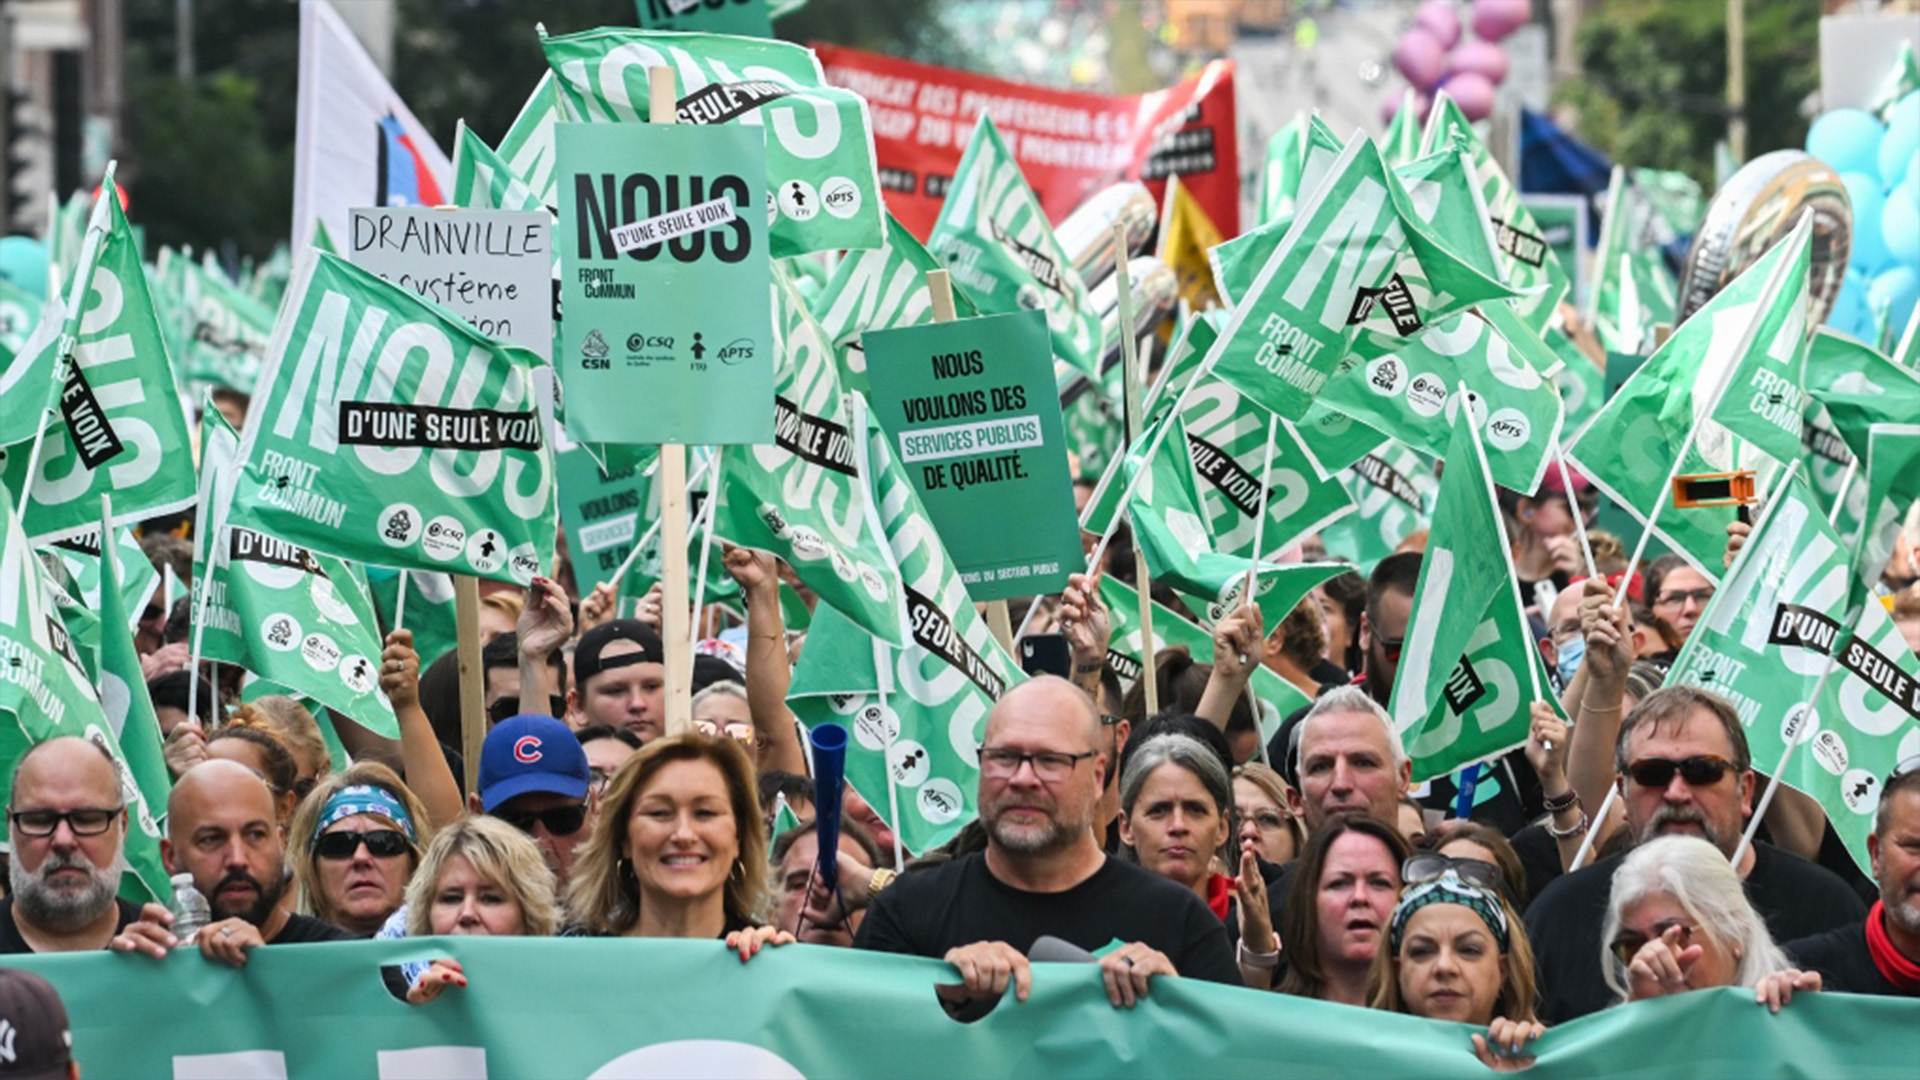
{"x": 68, "y": 823}
{"x": 223, "y": 828}
{"x": 1683, "y": 768}
{"x": 1043, "y": 872}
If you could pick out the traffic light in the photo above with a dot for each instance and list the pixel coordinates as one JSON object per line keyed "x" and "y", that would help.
{"x": 22, "y": 160}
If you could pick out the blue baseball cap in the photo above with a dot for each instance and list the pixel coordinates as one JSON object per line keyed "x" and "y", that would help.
{"x": 531, "y": 753}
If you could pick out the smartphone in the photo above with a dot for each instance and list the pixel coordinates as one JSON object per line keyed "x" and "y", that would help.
{"x": 1046, "y": 654}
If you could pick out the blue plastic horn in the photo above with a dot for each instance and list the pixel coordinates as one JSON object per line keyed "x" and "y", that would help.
{"x": 829, "y": 785}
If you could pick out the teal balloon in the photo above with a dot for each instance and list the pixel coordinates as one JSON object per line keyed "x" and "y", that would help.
{"x": 1869, "y": 248}
{"x": 1900, "y": 223}
{"x": 1900, "y": 147}
{"x": 1850, "y": 311}
{"x": 23, "y": 262}
{"x": 1897, "y": 289}
{"x": 1848, "y": 140}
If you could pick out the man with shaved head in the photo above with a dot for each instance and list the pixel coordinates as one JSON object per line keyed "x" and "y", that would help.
{"x": 68, "y": 824}
{"x": 223, "y": 828}
{"x": 1043, "y": 873}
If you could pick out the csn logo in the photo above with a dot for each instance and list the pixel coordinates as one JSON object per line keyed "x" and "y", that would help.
{"x": 737, "y": 350}
{"x": 593, "y": 352}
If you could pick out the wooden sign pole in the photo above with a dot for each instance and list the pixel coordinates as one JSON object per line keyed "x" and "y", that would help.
{"x": 675, "y": 619}
{"x": 473, "y": 683}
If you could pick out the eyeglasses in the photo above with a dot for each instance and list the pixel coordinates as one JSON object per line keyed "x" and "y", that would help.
{"x": 1107, "y": 719}
{"x": 1001, "y": 763}
{"x": 1265, "y": 820}
{"x": 1429, "y": 866}
{"x": 1626, "y": 945}
{"x": 86, "y": 821}
{"x": 738, "y": 731}
{"x": 1700, "y": 770}
{"x": 1681, "y": 596}
{"x": 381, "y": 844}
{"x": 1390, "y": 648}
{"x": 505, "y": 707}
{"x": 560, "y": 821}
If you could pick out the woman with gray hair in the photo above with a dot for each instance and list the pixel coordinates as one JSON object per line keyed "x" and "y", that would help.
{"x": 1176, "y": 811}
{"x": 1679, "y": 920}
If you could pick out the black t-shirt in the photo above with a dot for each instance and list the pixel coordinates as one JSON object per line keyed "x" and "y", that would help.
{"x": 1840, "y": 956}
{"x": 305, "y": 930}
{"x": 1539, "y": 856}
{"x": 1797, "y": 898}
{"x": 929, "y": 911}
{"x": 12, "y": 942}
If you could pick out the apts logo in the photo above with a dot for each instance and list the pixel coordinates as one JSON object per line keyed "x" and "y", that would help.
{"x": 737, "y": 350}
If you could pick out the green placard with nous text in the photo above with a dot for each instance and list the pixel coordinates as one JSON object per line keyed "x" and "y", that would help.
{"x": 666, "y": 329}
{"x": 971, "y": 409}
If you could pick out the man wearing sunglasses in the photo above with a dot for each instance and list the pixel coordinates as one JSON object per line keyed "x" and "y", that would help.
{"x": 1043, "y": 873}
{"x": 68, "y": 823}
{"x": 1683, "y": 768}
{"x": 534, "y": 776}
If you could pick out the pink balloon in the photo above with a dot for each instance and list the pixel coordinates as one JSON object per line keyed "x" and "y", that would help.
{"x": 1495, "y": 19}
{"x": 1390, "y": 105}
{"x": 1442, "y": 19}
{"x": 1481, "y": 58}
{"x": 1473, "y": 92}
{"x": 1420, "y": 57}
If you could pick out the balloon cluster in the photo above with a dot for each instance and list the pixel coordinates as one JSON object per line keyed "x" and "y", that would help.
{"x": 1433, "y": 53}
{"x": 1880, "y": 165}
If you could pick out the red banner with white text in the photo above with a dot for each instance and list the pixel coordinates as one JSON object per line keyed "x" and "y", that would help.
{"x": 1069, "y": 145}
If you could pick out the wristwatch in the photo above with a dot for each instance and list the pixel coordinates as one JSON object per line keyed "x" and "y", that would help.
{"x": 882, "y": 877}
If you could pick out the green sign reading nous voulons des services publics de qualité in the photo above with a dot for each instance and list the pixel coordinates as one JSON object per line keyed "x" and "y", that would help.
{"x": 666, "y": 334}
{"x": 971, "y": 409}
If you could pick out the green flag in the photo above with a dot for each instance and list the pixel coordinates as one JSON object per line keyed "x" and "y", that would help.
{"x": 1227, "y": 440}
{"x": 1763, "y": 642}
{"x": 27, "y": 381}
{"x": 1873, "y": 407}
{"x": 924, "y": 732}
{"x": 123, "y": 433}
{"x": 391, "y": 432}
{"x": 1529, "y": 263}
{"x": 1170, "y": 529}
{"x": 825, "y": 191}
{"x": 287, "y": 614}
{"x": 527, "y": 147}
{"x": 879, "y": 290}
{"x": 79, "y": 575}
{"x": 1502, "y": 364}
{"x": 1633, "y": 289}
{"x": 1401, "y": 142}
{"x": 804, "y": 497}
{"x": 136, "y": 733}
{"x": 1280, "y": 175}
{"x": 1393, "y": 492}
{"x": 994, "y": 237}
{"x": 224, "y": 332}
{"x": 1468, "y": 670}
{"x": 429, "y": 612}
{"x": 19, "y": 314}
{"x": 1582, "y": 385}
{"x": 1722, "y": 369}
{"x": 482, "y": 180}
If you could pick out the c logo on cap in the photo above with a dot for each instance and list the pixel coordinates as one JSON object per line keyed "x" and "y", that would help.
{"x": 527, "y": 749}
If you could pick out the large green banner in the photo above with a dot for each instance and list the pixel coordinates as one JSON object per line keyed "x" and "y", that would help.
{"x": 542, "y": 1007}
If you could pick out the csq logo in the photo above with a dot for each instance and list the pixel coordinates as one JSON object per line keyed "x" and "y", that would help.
{"x": 638, "y": 196}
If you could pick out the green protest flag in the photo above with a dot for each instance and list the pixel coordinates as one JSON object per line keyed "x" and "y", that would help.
{"x": 880, "y": 289}
{"x": 1401, "y": 141}
{"x": 649, "y": 565}
{"x": 1723, "y": 368}
{"x": 83, "y": 574}
{"x": 746, "y": 18}
{"x": 67, "y": 225}
{"x": 1127, "y": 651}
{"x": 711, "y": 362}
{"x": 482, "y": 179}
{"x": 1280, "y": 176}
{"x": 820, "y": 167}
{"x": 527, "y": 147}
{"x": 1227, "y": 440}
{"x": 136, "y": 731}
{"x": 1582, "y": 385}
{"x": 225, "y": 332}
{"x": 1499, "y": 360}
{"x": 1333, "y": 440}
{"x": 364, "y": 444}
{"x": 29, "y": 375}
{"x": 1529, "y": 264}
{"x": 19, "y": 314}
{"x": 994, "y": 237}
{"x": 1341, "y": 268}
{"x": 1763, "y": 642}
{"x": 1632, "y": 290}
{"x": 1094, "y": 429}
{"x": 269, "y": 281}
{"x": 1873, "y": 406}
{"x": 1393, "y": 492}
{"x": 1468, "y": 670}
{"x": 970, "y": 407}
{"x": 805, "y": 497}
{"x": 428, "y": 613}
{"x": 123, "y": 432}
{"x": 1170, "y": 530}
{"x": 281, "y": 611}
{"x": 922, "y": 734}
{"x": 47, "y": 692}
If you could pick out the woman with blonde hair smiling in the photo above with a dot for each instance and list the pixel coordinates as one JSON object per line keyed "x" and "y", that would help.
{"x": 679, "y": 849}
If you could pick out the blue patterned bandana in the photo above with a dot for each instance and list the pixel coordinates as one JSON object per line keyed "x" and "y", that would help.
{"x": 1449, "y": 889}
{"x": 364, "y": 799}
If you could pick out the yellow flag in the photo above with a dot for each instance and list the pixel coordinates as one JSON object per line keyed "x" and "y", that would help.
{"x": 1186, "y": 234}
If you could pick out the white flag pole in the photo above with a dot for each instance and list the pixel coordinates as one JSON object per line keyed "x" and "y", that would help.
{"x": 1811, "y": 724}
{"x": 1593, "y": 827}
{"x": 1573, "y": 504}
{"x": 706, "y": 551}
{"x": 400, "y": 603}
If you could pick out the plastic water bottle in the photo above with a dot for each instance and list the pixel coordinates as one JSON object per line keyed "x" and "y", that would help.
{"x": 190, "y": 909}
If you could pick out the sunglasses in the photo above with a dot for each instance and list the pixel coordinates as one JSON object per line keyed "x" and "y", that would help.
{"x": 560, "y": 821}
{"x": 1390, "y": 648}
{"x": 1700, "y": 770}
{"x": 1626, "y": 945}
{"x": 1427, "y": 867}
{"x": 381, "y": 844}
{"x": 510, "y": 706}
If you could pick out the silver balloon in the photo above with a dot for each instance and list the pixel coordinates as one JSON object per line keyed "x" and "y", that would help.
{"x": 1756, "y": 209}
{"x": 1087, "y": 234}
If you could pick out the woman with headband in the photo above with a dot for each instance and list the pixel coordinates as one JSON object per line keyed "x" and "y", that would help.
{"x": 1456, "y": 951}
{"x": 360, "y": 833}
